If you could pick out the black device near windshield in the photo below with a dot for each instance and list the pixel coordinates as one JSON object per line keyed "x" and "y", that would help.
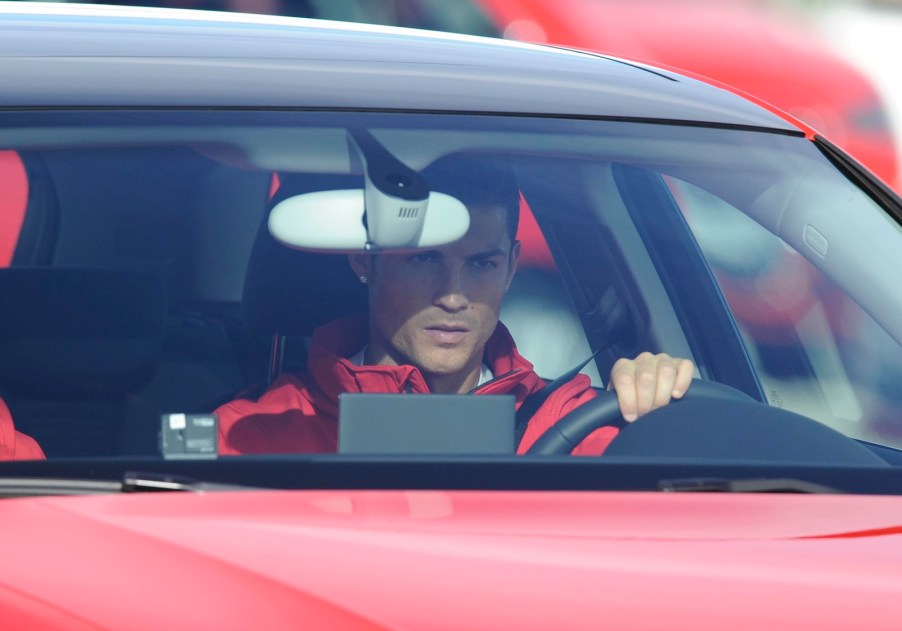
{"x": 425, "y": 424}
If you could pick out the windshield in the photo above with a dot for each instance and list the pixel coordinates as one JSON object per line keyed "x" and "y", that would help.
{"x": 149, "y": 302}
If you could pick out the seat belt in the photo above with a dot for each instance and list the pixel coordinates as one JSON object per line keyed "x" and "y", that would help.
{"x": 534, "y": 401}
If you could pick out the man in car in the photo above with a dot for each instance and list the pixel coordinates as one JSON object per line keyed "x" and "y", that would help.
{"x": 433, "y": 327}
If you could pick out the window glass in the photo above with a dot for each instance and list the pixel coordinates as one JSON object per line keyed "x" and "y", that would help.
{"x": 816, "y": 351}
{"x": 609, "y": 263}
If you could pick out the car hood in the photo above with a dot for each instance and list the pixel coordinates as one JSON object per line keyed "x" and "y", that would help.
{"x": 443, "y": 560}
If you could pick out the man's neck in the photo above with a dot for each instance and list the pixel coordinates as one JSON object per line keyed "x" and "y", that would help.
{"x": 458, "y": 383}
{"x": 452, "y": 384}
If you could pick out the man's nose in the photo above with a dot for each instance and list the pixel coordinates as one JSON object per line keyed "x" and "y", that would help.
{"x": 450, "y": 293}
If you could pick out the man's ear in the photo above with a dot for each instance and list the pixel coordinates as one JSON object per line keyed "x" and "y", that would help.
{"x": 513, "y": 260}
{"x": 362, "y": 264}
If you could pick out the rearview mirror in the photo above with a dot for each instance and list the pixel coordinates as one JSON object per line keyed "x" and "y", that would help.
{"x": 334, "y": 221}
{"x": 395, "y": 210}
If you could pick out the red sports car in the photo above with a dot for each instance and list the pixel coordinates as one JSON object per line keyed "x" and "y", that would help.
{"x": 197, "y": 189}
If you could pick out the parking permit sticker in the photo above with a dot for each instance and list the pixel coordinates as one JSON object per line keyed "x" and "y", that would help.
{"x": 189, "y": 436}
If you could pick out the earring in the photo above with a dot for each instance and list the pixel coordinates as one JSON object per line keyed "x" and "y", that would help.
{"x": 364, "y": 280}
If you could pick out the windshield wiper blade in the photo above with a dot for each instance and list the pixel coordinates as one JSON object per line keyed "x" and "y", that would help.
{"x": 142, "y": 482}
{"x": 751, "y": 485}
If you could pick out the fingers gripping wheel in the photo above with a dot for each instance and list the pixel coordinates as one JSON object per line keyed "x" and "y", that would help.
{"x": 604, "y": 411}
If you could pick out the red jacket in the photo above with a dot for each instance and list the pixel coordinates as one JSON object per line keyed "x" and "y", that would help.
{"x": 298, "y": 413}
{"x": 16, "y": 445}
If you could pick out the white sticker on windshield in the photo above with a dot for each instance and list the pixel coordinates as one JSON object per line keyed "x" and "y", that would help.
{"x": 177, "y": 421}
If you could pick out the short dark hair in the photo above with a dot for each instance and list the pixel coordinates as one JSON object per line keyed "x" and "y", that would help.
{"x": 478, "y": 180}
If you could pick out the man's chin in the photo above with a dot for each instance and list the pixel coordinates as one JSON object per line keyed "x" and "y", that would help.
{"x": 443, "y": 364}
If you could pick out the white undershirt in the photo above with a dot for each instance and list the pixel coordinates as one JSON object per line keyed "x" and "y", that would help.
{"x": 485, "y": 373}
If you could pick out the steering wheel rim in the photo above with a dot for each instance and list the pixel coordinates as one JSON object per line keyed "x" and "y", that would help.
{"x": 604, "y": 411}
{"x": 713, "y": 423}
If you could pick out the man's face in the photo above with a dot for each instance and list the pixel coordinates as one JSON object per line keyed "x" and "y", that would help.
{"x": 436, "y": 309}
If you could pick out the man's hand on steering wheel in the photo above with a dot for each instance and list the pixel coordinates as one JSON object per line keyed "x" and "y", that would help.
{"x": 649, "y": 382}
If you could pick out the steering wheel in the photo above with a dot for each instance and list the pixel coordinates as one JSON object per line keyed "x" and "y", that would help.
{"x": 604, "y": 411}
{"x": 711, "y": 421}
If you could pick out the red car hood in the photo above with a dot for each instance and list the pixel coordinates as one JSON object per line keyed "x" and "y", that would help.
{"x": 450, "y": 560}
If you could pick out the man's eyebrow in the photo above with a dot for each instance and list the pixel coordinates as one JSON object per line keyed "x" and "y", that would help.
{"x": 488, "y": 254}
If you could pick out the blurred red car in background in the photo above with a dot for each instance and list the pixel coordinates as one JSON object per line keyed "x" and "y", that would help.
{"x": 743, "y": 44}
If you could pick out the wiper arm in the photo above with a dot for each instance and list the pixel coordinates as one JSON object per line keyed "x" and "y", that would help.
{"x": 756, "y": 485}
{"x": 40, "y": 487}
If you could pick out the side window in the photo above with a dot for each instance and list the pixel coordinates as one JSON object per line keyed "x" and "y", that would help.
{"x": 13, "y": 201}
{"x": 816, "y": 351}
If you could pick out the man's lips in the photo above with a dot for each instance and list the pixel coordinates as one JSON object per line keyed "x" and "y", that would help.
{"x": 447, "y": 334}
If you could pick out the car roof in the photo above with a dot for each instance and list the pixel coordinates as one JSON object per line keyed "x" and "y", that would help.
{"x": 63, "y": 55}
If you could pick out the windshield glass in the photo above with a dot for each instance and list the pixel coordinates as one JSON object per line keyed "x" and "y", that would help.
{"x": 149, "y": 301}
